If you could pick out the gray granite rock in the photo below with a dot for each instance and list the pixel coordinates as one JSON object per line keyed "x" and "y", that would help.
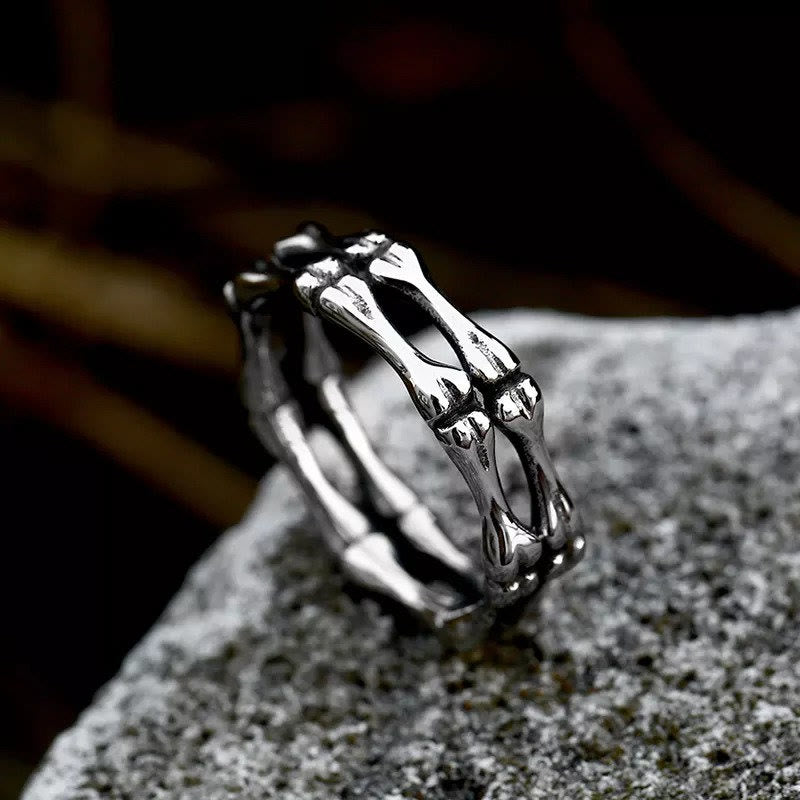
{"x": 666, "y": 665}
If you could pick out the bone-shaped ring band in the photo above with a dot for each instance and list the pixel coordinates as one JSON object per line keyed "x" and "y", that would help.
{"x": 333, "y": 278}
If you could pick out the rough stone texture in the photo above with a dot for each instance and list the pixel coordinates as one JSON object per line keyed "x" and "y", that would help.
{"x": 665, "y": 666}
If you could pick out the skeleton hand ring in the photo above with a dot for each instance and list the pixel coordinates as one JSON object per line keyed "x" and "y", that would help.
{"x": 382, "y": 546}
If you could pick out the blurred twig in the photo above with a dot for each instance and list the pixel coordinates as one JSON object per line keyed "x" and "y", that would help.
{"x": 35, "y": 135}
{"x": 110, "y": 298}
{"x": 84, "y": 49}
{"x": 736, "y": 206}
{"x": 68, "y": 397}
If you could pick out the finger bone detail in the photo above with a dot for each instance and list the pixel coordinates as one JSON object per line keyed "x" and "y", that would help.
{"x": 465, "y": 407}
{"x": 435, "y": 388}
{"x": 390, "y": 496}
{"x": 510, "y": 550}
{"x": 366, "y": 555}
{"x": 484, "y": 358}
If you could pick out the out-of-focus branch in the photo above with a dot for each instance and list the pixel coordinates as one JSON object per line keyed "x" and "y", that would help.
{"x": 69, "y": 398}
{"x": 737, "y": 207}
{"x": 113, "y": 299}
{"x": 83, "y": 31}
{"x": 33, "y": 134}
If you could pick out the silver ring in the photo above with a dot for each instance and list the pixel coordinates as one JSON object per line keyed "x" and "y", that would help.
{"x": 394, "y": 545}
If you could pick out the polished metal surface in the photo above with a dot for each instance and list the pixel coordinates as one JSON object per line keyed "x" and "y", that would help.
{"x": 333, "y": 280}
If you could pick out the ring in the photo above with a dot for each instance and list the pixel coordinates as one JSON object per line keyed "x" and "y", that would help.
{"x": 391, "y": 543}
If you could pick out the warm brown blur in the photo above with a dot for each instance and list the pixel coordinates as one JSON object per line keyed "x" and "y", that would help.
{"x": 582, "y": 159}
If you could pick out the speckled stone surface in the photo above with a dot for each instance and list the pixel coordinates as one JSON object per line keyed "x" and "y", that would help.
{"x": 667, "y": 665}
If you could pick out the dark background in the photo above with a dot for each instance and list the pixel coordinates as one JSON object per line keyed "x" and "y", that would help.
{"x": 587, "y": 159}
